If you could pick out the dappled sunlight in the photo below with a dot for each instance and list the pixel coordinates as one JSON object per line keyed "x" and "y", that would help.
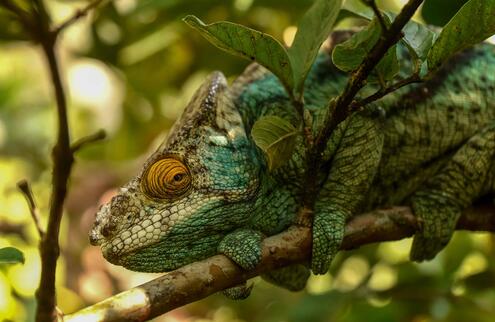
{"x": 94, "y": 86}
{"x": 319, "y": 284}
{"x": 352, "y": 273}
{"x": 383, "y": 277}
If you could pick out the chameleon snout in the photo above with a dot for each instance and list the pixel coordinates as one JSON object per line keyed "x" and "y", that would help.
{"x": 96, "y": 235}
{"x": 107, "y": 218}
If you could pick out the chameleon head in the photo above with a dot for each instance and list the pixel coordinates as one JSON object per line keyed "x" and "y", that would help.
{"x": 196, "y": 188}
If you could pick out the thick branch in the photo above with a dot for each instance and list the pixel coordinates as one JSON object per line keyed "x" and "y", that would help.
{"x": 200, "y": 279}
{"x": 38, "y": 23}
{"x": 62, "y": 165}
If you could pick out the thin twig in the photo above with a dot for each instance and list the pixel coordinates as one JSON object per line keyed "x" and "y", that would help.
{"x": 378, "y": 14}
{"x": 98, "y": 136}
{"x": 22, "y": 15}
{"x": 78, "y": 15}
{"x": 25, "y": 188}
{"x": 200, "y": 279}
{"x": 384, "y": 91}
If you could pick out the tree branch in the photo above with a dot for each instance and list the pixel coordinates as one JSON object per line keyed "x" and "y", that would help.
{"x": 38, "y": 23}
{"x": 201, "y": 279}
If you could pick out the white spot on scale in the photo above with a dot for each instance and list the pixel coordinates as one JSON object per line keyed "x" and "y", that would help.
{"x": 218, "y": 140}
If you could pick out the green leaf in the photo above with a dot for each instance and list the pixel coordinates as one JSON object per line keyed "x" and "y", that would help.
{"x": 417, "y": 37}
{"x": 314, "y": 28}
{"x": 247, "y": 43}
{"x": 348, "y": 55}
{"x": 357, "y": 9}
{"x": 276, "y": 137}
{"x": 11, "y": 255}
{"x": 473, "y": 23}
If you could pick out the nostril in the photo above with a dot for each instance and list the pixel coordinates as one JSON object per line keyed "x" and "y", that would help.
{"x": 107, "y": 229}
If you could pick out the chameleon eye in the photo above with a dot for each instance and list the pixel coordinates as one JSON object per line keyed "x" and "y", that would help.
{"x": 166, "y": 178}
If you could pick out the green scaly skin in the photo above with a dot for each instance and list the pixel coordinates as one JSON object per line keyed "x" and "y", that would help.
{"x": 430, "y": 146}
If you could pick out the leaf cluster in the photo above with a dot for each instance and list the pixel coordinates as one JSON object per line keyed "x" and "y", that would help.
{"x": 427, "y": 51}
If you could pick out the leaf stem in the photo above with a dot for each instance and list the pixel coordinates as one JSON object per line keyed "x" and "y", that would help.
{"x": 387, "y": 90}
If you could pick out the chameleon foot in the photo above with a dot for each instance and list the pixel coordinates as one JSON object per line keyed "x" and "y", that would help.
{"x": 243, "y": 246}
{"x": 238, "y": 292}
{"x": 328, "y": 232}
{"x": 442, "y": 198}
{"x": 293, "y": 277}
{"x": 438, "y": 225}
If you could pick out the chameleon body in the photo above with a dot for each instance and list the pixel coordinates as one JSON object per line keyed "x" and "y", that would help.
{"x": 207, "y": 189}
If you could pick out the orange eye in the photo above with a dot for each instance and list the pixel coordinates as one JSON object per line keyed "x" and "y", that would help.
{"x": 166, "y": 178}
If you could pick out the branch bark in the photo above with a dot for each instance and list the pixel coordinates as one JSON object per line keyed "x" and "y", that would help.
{"x": 201, "y": 279}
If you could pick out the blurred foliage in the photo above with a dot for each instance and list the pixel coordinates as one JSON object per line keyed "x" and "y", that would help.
{"x": 130, "y": 68}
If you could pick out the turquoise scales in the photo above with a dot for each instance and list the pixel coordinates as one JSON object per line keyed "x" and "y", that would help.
{"x": 431, "y": 146}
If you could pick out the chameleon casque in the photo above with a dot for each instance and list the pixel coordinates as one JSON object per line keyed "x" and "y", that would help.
{"x": 207, "y": 189}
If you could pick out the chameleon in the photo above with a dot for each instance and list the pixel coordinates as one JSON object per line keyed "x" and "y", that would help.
{"x": 207, "y": 189}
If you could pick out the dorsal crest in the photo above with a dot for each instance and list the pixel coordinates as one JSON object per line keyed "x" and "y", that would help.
{"x": 211, "y": 110}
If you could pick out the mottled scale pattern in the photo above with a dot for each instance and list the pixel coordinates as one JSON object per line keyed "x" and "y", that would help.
{"x": 430, "y": 146}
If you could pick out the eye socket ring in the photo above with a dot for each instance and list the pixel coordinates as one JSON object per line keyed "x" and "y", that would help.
{"x": 166, "y": 178}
